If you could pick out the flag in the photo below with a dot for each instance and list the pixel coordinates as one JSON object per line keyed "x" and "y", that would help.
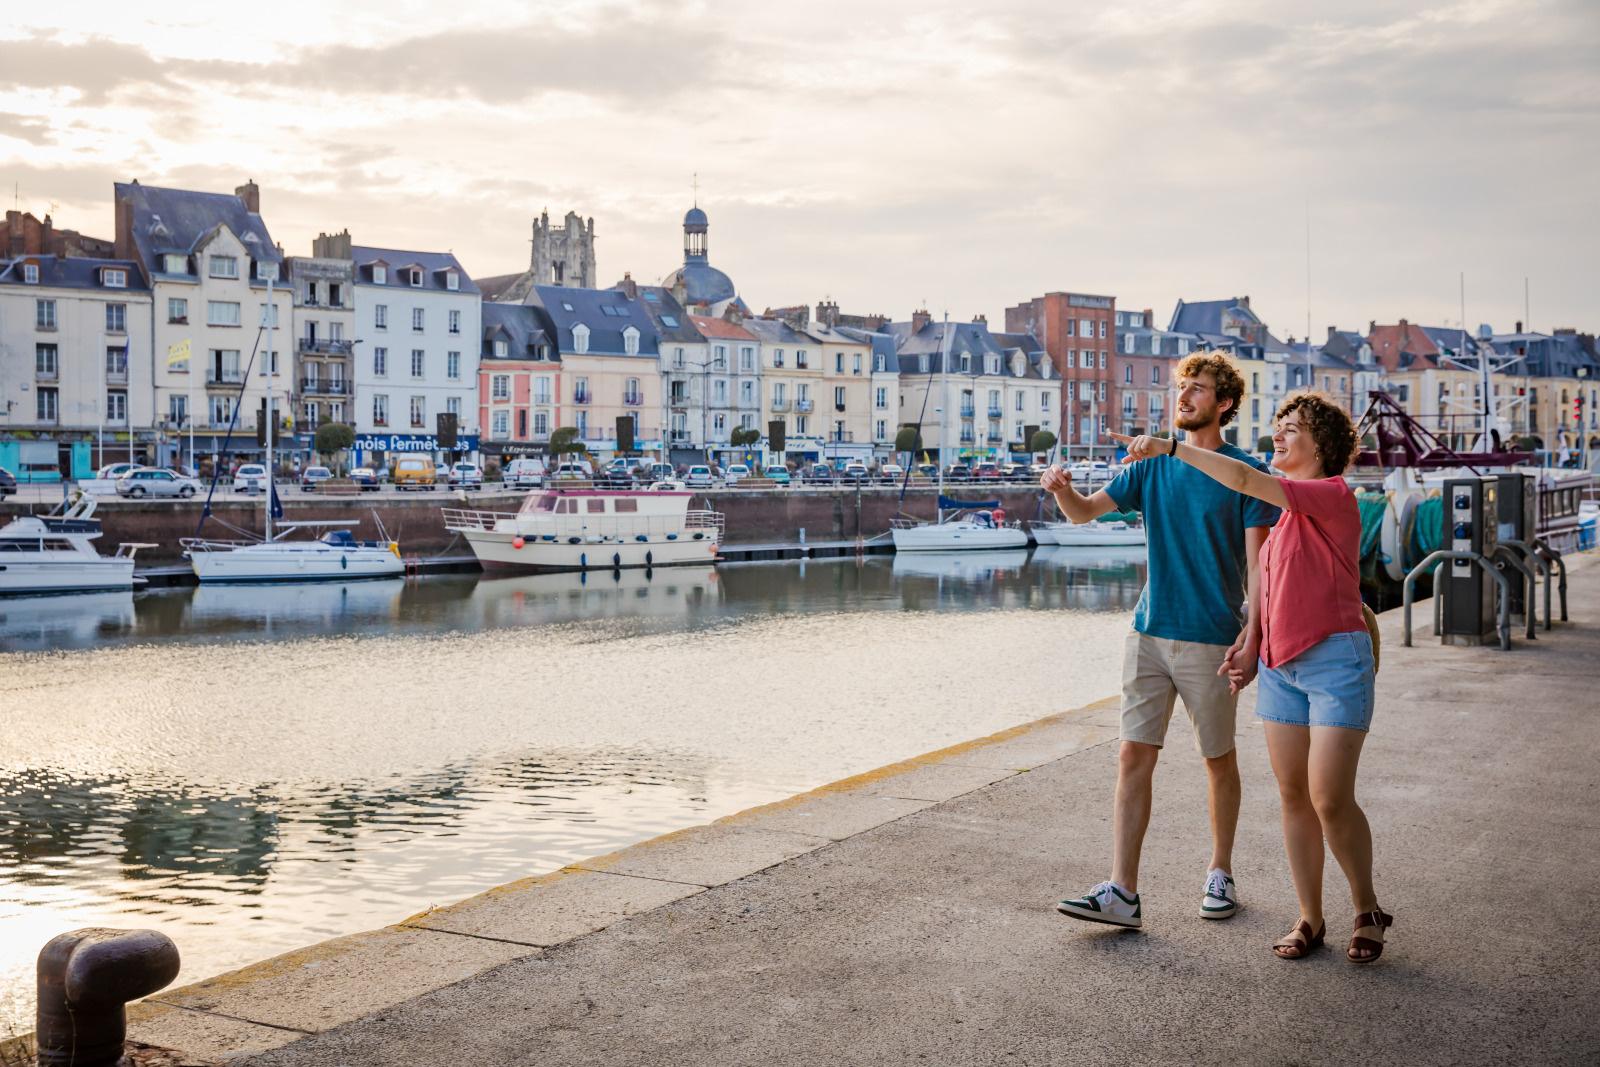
{"x": 178, "y": 353}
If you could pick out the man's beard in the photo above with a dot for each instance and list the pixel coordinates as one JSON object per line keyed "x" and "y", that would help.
{"x": 1202, "y": 418}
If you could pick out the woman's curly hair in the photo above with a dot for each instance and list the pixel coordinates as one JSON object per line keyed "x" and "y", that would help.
{"x": 1329, "y": 426}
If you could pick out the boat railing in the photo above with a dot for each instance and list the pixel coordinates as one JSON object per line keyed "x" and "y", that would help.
{"x": 472, "y": 519}
{"x": 207, "y": 544}
{"x": 906, "y": 524}
{"x": 704, "y": 520}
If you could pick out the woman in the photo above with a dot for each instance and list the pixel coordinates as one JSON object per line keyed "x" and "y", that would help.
{"x": 1316, "y": 657}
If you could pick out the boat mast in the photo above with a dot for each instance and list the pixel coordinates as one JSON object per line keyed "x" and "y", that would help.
{"x": 272, "y": 423}
{"x": 944, "y": 402}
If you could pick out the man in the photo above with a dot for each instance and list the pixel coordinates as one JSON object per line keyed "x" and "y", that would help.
{"x": 1189, "y": 631}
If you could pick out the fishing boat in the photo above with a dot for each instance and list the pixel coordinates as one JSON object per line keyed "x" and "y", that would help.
{"x": 591, "y": 529}
{"x": 55, "y": 553}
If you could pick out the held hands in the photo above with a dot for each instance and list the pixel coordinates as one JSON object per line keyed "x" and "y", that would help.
{"x": 1240, "y": 661}
{"x": 1142, "y": 447}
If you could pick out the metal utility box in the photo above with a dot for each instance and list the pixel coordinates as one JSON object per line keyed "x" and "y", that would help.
{"x": 1518, "y": 497}
{"x": 1471, "y": 517}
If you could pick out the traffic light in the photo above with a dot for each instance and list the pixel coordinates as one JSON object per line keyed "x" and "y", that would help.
{"x": 1577, "y": 408}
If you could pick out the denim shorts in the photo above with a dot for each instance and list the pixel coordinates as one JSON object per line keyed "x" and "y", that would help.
{"x": 1329, "y": 684}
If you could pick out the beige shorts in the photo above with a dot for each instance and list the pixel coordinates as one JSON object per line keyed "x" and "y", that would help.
{"x": 1158, "y": 670}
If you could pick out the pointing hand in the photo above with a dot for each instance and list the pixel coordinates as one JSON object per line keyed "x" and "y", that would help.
{"x": 1142, "y": 447}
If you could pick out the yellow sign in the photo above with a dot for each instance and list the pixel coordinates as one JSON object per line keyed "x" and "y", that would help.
{"x": 178, "y": 353}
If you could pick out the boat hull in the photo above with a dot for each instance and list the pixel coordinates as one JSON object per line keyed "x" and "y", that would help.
{"x": 65, "y": 576}
{"x": 496, "y": 549}
{"x": 270, "y": 563}
{"x": 957, "y": 537}
{"x": 1098, "y": 535}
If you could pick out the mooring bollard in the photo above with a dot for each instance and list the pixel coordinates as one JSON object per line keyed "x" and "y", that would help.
{"x": 85, "y": 979}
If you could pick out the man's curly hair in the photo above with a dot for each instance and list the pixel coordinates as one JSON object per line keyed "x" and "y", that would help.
{"x": 1329, "y": 426}
{"x": 1229, "y": 382}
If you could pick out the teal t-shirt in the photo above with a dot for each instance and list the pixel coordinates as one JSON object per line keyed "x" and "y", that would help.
{"x": 1194, "y": 526}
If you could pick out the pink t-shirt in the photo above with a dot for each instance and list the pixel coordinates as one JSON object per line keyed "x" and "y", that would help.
{"x": 1311, "y": 569}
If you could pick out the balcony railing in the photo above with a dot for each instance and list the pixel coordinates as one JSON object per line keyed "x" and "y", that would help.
{"x": 679, "y": 435}
{"x": 117, "y": 376}
{"x": 803, "y": 406}
{"x": 996, "y": 412}
{"x": 47, "y": 375}
{"x": 581, "y": 397}
{"x": 780, "y": 405}
{"x": 842, "y": 436}
{"x": 224, "y": 377}
{"x": 321, "y": 346}
{"x": 633, "y": 399}
{"x": 968, "y": 412}
{"x": 838, "y": 407}
{"x": 966, "y": 436}
{"x": 325, "y": 387}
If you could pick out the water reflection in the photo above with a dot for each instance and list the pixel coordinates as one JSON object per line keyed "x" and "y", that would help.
{"x": 256, "y": 768}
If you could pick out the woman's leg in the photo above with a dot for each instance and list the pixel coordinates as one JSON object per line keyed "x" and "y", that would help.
{"x": 1289, "y": 747}
{"x": 1335, "y": 754}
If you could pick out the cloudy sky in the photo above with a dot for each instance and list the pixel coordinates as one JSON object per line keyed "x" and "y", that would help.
{"x": 885, "y": 154}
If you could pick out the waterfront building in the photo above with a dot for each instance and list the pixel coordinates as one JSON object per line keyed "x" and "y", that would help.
{"x": 26, "y": 235}
{"x": 734, "y": 379}
{"x": 979, "y": 408}
{"x": 519, "y": 380}
{"x": 1442, "y": 394}
{"x": 1548, "y": 386}
{"x": 1232, "y": 326}
{"x": 324, "y": 332}
{"x": 1143, "y": 364}
{"x": 420, "y": 321}
{"x": 885, "y": 386}
{"x": 76, "y": 387}
{"x": 697, "y": 285}
{"x": 208, "y": 259}
{"x": 1312, "y": 366}
{"x": 791, "y": 380}
{"x": 686, "y": 370}
{"x": 1078, "y": 332}
{"x": 846, "y": 403}
{"x": 610, "y": 365}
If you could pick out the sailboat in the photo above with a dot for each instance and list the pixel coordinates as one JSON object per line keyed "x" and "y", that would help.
{"x": 963, "y": 525}
{"x": 336, "y": 555}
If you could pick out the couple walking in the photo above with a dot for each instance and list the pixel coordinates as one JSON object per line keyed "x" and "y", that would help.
{"x": 1249, "y": 572}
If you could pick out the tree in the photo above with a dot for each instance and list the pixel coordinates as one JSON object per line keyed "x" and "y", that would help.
{"x": 908, "y": 440}
{"x": 1043, "y": 441}
{"x": 334, "y": 437}
{"x": 564, "y": 441}
{"x": 742, "y": 437}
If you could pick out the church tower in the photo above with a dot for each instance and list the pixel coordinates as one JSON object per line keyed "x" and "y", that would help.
{"x": 563, "y": 255}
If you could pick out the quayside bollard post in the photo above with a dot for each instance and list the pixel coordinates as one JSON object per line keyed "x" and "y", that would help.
{"x": 86, "y": 977}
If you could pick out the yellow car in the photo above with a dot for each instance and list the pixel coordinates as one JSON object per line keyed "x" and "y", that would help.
{"x": 414, "y": 472}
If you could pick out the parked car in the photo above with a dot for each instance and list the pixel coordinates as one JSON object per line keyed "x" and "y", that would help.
{"x": 776, "y": 473}
{"x": 466, "y": 475}
{"x": 8, "y": 483}
{"x": 854, "y": 471}
{"x": 1014, "y": 472}
{"x": 365, "y": 478}
{"x": 986, "y": 472}
{"x": 661, "y": 472}
{"x": 153, "y": 481}
{"x": 929, "y": 471}
{"x": 311, "y": 476}
{"x": 618, "y": 474}
{"x": 958, "y": 472}
{"x": 416, "y": 472}
{"x": 736, "y": 473}
{"x": 112, "y": 471}
{"x": 524, "y": 474}
{"x": 819, "y": 474}
{"x": 699, "y": 476}
{"x": 891, "y": 473}
{"x": 1086, "y": 471}
{"x": 249, "y": 478}
{"x": 1036, "y": 470}
{"x": 572, "y": 472}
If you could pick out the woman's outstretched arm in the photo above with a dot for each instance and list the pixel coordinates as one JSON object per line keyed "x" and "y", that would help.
{"x": 1239, "y": 476}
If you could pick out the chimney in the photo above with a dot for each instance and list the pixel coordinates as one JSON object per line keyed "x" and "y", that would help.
{"x": 828, "y": 313}
{"x": 1331, "y": 331}
{"x": 980, "y": 318}
{"x": 250, "y": 193}
{"x": 1150, "y": 318}
{"x": 628, "y": 285}
{"x": 332, "y": 245}
{"x": 1244, "y": 302}
{"x": 1372, "y": 327}
{"x": 1519, "y": 327}
{"x": 920, "y": 319}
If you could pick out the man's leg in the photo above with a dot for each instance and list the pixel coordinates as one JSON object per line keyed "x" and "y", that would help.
{"x": 1223, "y": 772}
{"x": 1136, "y": 767}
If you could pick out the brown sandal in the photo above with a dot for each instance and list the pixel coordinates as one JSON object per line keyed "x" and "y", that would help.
{"x": 1376, "y": 921}
{"x": 1299, "y": 942}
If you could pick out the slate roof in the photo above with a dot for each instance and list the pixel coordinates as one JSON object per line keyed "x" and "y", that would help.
{"x": 523, "y": 327}
{"x": 672, "y": 322}
{"x": 777, "y": 332}
{"x": 721, "y": 329}
{"x": 1558, "y": 356}
{"x": 883, "y": 345}
{"x": 495, "y": 286}
{"x": 1450, "y": 337}
{"x": 179, "y": 220}
{"x": 57, "y": 272}
{"x": 434, "y": 267}
{"x": 568, "y": 307}
{"x": 972, "y": 338}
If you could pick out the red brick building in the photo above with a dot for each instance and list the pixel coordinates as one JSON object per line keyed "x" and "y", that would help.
{"x": 1078, "y": 331}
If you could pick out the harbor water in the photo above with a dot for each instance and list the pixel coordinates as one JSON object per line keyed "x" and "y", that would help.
{"x": 254, "y": 769}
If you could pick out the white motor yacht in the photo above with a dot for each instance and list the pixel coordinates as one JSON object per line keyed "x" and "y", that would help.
{"x": 591, "y": 529}
{"x": 54, "y": 554}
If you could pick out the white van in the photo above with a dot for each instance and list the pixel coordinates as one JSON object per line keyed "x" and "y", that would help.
{"x": 524, "y": 474}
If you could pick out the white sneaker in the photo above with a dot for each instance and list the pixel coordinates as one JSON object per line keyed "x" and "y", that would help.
{"x": 1222, "y": 899}
{"x": 1105, "y": 903}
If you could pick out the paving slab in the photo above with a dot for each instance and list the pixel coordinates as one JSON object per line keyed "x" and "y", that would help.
{"x": 937, "y": 781}
{"x": 204, "y": 1037}
{"x": 834, "y": 816}
{"x": 552, "y": 908}
{"x": 705, "y": 855}
{"x": 336, "y": 981}
{"x": 931, "y": 938}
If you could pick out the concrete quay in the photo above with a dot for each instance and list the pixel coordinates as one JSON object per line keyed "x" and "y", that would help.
{"x": 905, "y": 916}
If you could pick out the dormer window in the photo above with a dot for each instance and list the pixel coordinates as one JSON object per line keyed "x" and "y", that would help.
{"x": 380, "y": 275}
{"x": 992, "y": 365}
{"x": 30, "y": 273}
{"x": 630, "y": 340}
{"x": 500, "y": 349}
{"x": 452, "y": 281}
{"x": 223, "y": 266}
{"x": 416, "y": 278}
{"x": 580, "y": 338}
{"x": 266, "y": 271}
{"x": 544, "y": 352}
{"x": 175, "y": 263}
